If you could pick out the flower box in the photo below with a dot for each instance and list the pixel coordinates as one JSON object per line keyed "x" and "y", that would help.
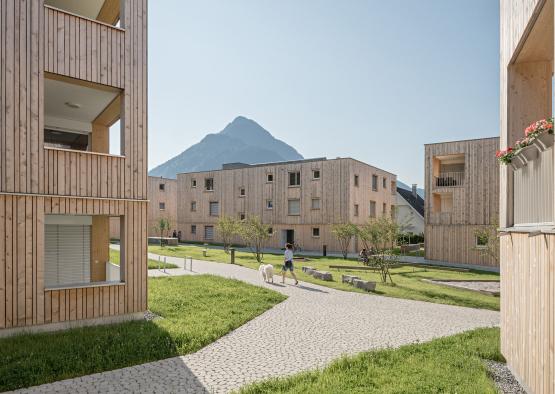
{"x": 544, "y": 141}
{"x": 529, "y": 153}
{"x": 518, "y": 161}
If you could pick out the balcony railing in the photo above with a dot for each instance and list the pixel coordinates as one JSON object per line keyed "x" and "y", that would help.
{"x": 449, "y": 179}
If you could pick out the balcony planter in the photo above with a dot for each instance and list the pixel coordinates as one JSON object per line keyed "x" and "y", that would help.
{"x": 544, "y": 141}
{"x": 518, "y": 162}
{"x": 529, "y": 153}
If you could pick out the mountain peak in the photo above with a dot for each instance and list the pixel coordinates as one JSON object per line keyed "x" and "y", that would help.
{"x": 242, "y": 140}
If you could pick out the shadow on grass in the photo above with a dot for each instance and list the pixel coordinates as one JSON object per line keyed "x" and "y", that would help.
{"x": 33, "y": 359}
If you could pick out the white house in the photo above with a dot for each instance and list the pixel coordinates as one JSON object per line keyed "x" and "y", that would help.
{"x": 410, "y": 210}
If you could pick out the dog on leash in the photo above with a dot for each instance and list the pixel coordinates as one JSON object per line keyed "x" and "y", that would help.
{"x": 267, "y": 272}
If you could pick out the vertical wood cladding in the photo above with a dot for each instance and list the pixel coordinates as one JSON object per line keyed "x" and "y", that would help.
{"x": 34, "y": 40}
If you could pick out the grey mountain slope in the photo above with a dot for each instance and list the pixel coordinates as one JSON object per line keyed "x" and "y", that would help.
{"x": 243, "y": 140}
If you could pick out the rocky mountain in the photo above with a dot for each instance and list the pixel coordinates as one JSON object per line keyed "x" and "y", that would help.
{"x": 242, "y": 140}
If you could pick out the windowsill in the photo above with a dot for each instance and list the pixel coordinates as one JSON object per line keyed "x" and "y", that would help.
{"x": 294, "y": 186}
{"x": 315, "y": 179}
{"x": 85, "y": 18}
{"x": 83, "y": 285}
{"x": 208, "y": 191}
{"x": 293, "y": 214}
{"x": 540, "y": 228}
{"x": 84, "y": 152}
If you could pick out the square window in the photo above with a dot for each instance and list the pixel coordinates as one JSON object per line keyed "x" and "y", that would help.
{"x": 315, "y": 232}
{"x": 315, "y": 174}
{"x": 295, "y": 178}
{"x": 209, "y": 184}
{"x": 269, "y": 204}
{"x": 162, "y": 187}
{"x": 241, "y": 216}
{"x": 294, "y": 207}
{"x": 482, "y": 241}
{"x": 162, "y": 206}
{"x": 193, "y": 229}
{"x": 270, "y": 178}
{"x": 193, "y": 206}
{"x": 193, "y": 183}
{"x": 315, "y": 203}
{"x": 270, "y": 231}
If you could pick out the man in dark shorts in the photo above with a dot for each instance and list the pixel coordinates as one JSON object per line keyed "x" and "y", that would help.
{"x": 288, "y": 264}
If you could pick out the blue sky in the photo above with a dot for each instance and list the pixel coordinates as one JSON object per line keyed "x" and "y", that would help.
{"x": 373, "y": 80}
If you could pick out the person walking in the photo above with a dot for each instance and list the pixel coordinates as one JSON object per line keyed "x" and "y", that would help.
{"x": 288, "y": 263}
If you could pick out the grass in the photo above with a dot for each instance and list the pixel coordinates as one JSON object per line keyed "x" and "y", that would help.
{"x": 152, "y": 264}
{"x": 196, "y": 311}
{"x": 447, "y": 365}
{"x": 408, "y": 280}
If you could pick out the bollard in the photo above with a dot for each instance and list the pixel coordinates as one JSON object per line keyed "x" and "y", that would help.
{"x": 232, "y": 252}
{"x": 184, "y": 263}
{"x": 324, "y": 250}
{"x": 165, "y": 265}
{"x": 159, "y": 262}
{"x": 191, "y": 263}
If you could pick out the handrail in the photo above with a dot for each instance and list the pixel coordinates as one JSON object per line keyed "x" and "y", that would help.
{"x": 449, "y": 179}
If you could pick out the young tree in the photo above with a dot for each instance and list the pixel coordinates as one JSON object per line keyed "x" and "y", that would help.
{"x": 161, "y": 226}
{"x": 487, "y": 244}
{"x": 254, "y": 234}
{"x": 380, "y": 235}
{"x": 227, "y": 227}
{"x": 344, "y": 234}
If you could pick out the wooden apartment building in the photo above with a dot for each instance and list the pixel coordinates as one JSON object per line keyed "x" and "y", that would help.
{"x": 527, "y": 198}
{"x": 299, "y": 200}
{"x": 73, "y": 78}
{"x": 462, "y": 196}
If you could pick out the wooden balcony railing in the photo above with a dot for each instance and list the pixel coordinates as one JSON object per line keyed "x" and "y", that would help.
{"x": 449, "y": 179}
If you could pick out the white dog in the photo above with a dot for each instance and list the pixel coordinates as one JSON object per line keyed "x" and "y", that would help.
{"x": 267, "y": 272}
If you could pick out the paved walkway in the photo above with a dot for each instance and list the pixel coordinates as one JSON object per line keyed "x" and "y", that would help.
{"x": 314, "y": 326}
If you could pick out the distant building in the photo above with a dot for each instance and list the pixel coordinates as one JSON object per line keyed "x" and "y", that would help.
{"x": 462, "y": 196}
{"x": 409, "y": 210}
{"x": 299, "y": 200}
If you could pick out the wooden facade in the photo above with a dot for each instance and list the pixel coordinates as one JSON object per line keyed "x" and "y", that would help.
{"x": 38, "y": 41}
{"x": 527, "y": 200}
{"x": 462, "y": 196}
{"x": 335, "y": 189}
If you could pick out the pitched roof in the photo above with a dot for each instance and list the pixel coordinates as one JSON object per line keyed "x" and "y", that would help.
{"x": 417, "y": 203}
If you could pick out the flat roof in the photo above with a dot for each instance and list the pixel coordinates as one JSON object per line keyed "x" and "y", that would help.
{"x": 471, "y": 139}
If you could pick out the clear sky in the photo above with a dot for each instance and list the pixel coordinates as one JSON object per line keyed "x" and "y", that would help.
{"x": 368, "y": 79}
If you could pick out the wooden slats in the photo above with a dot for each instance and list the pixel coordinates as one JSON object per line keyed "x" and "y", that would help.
{"x": 80, "y": 48}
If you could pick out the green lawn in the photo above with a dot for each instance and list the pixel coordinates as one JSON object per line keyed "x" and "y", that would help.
{"x": 196, "y": 311}
{"x": 447, "y": 365}
{"x": 408, "y": 279}
{"x": 152, "y": 264}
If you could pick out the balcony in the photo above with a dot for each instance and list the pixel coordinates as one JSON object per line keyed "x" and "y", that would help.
{"x": 449, "y": 179}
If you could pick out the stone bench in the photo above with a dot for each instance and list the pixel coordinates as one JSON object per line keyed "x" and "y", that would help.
{"x": 323, "y": 275}
{"x": 364, "y": 284}
{"x": 348, "y": 278}
{"x": 307, "y": 269}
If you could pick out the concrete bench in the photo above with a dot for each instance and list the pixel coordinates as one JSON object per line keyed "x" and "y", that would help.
{"x": 306, "y": 269}
{"x": 348, "y": 278}
{"x": 323, "y": 275}
{"x": 364, "y": 284}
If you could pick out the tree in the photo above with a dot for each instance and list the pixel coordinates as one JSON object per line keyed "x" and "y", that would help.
{"x": 487, "y": 241}
{"x": 161, "y": 226}
{"x": 227, "y": 227}
{"x": 254, "y": 234}
{"x": 344, "y": 234}
{"x": 380, "y": 235}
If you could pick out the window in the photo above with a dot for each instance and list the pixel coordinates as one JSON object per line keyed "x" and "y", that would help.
{"x": 316, "y": 232}
{"x": 162, "y": 206}
{"x": 241, "y": 216}
{"x": 269, "y": 204}
{"x": 393, "y": 212}
{"x": 193, "y": 183}
{"x": 356, "y": 180}
{"x": 193, "y": 229}
{"x": 384, "y": 209}
{"x": 315, "y": 174}
{"x": 242, "y": 192}
{"x": 209, "y": 184}
{"x": 269, "y": 178}
{"x": 356, "y": 209}
{"x": 384, "y": 183}
{"x": 375, "y": 183}
{"x": 372, "y": 209}
{"x": 315, "y": 203}
{"x": 295, "y": 178}
{"x": 294, "y": 207}
{"x": 193, "y": 206}
{"x": 162, "y": 187}
{"x": 393, "y": 188}
{"x": 214, "y": 208}
{"x": 482, "y": 241}
{"x": 209, "y": 232}
{"x": 270, "y": 231}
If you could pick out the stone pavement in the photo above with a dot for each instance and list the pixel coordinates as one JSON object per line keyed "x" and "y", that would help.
{"x": 314, "y": 326}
